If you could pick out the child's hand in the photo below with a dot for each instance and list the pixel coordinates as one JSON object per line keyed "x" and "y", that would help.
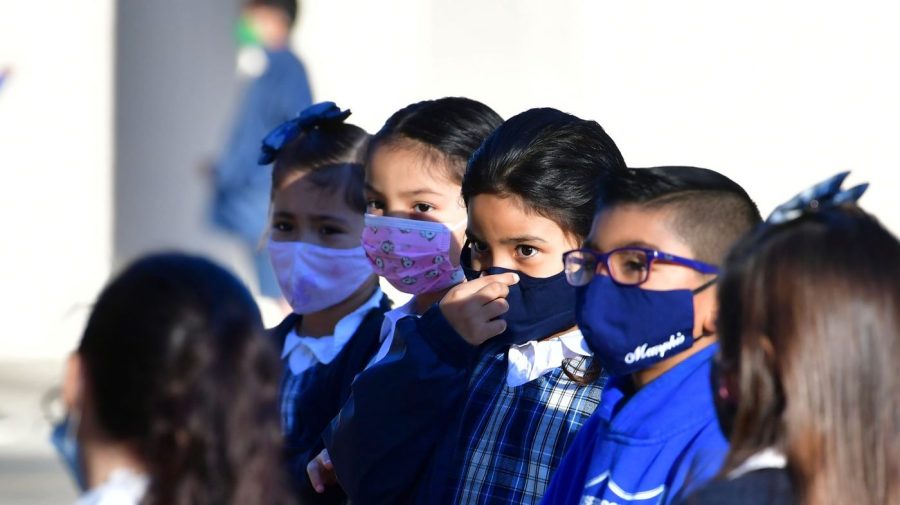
{"x": 321, "y": 472}
{"x": 472, "y": 308}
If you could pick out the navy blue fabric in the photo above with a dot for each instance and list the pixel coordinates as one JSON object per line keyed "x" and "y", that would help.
{"x": 630, "y": 328}
{"x": 401, "y": 413}
{"x": 399, "y": 438}
{"x": 538, "y": 307}
{"x": 322, "y": 393}
{"x": 770, "y": 486}
{"x": 319, "y": 114}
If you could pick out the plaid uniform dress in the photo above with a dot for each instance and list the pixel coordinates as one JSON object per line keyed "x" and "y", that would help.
{"x": 291, "y": 387}
{"x": 513, "y": 438}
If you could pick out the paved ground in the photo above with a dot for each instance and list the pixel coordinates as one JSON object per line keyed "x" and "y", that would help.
{"x": 30, "y": 473}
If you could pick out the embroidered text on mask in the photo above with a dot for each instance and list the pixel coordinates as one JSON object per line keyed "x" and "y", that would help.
{"x": 643, "y": 351}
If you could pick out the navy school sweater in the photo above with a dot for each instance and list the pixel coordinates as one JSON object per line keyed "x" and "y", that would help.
{"x": 324, "y": 391}
{"x": 396, "y": 440}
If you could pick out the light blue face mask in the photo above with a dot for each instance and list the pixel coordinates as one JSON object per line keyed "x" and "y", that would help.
{"x": 66, "y": 444}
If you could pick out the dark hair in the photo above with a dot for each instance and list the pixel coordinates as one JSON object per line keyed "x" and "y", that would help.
{"x": 555, "y": 162}
{"x": 333, "y": 152}
{"x": 709, "y": 211}
{"x": 451, "y": 127}
{"x": 176, "y": 364}
{"x": 809, "y": 325}
{"x": 290, "y": 8}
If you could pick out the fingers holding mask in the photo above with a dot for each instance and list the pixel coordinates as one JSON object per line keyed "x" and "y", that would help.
{"x": 472, "y": 308}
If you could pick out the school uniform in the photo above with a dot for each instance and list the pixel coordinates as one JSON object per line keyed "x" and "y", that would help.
{"x": 316, "y": 382}
{"x": 648, "y": 446}
{"x": 123, "y": 487}
{"x": 440, "y": 421}
{"x": 761, "y": 480}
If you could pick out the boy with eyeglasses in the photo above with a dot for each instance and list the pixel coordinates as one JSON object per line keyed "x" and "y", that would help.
{"x": 646, "y": 305}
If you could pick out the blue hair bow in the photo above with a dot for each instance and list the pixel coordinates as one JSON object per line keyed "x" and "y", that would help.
{"x": 312, "y": 116}
{"x": 824, "y": 195}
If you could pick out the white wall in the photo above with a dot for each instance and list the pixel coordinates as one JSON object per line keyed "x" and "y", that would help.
{"x": 56, "y": 169}
{"x": 776, "y": 95}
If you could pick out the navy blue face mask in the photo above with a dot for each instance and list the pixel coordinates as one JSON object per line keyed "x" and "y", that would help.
{"x": 63, "y": 439}
{"x": 629, "y": 328}
{"x": 538, "y": 307}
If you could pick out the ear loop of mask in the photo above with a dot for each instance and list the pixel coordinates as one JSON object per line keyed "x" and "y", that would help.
{"x": 696, "y": 292}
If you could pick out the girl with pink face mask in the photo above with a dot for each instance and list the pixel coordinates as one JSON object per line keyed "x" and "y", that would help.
{"x": 415, "y": 223}
{"x": 316, "y": 221}
{"x": 414, "y": 226}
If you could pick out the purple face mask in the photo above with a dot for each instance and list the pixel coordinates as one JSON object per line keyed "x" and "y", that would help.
{"x": 414, "y": 256}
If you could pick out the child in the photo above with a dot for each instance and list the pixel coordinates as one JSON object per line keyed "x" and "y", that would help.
{"x": 509, "y": 411}
{"x": 171, "y": 395}
{"x": 322, "y": 269}
{"x": 275, "y": 86}
{"x": 807, "y": 373}
{"x": 414, "y": 233}
{"x": 646, "y": 305}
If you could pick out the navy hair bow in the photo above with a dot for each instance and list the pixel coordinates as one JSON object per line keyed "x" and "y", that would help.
{"x": 824, "y": 195}
{"x": 312, "y": 116}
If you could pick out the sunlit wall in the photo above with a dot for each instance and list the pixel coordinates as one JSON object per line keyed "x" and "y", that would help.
{"x": 103, "y": 126}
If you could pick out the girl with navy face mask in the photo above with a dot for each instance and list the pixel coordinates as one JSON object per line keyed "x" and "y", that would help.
{"x": 530, "y": 192}
{"x": 314, "y": 243}
{"x": 481, "y": 418}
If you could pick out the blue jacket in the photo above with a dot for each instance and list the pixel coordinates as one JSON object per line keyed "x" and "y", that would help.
{"x": 242, "y": 187}
{"x": 645, "y": 447}
{"x": 325, "y": 389}
{"x": 394, "y": 438}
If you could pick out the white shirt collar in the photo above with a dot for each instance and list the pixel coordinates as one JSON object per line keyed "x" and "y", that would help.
{"x": 766, "y": 458}
{"x": 389, "y": 325}
{"x": 302, "y": 353}
{"x": 528, "y": 361}
{"x": 122, "y": 487}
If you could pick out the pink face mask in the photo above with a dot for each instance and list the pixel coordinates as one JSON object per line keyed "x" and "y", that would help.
{"x": 414, "y": 256}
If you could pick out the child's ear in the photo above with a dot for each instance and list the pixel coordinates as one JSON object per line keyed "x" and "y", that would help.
{"x": 73, "y": 383}
{"x": 709, "y": 324}
{"x": 709, "y": 310}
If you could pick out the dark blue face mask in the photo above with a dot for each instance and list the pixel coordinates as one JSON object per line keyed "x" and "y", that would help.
{"x": 63, "y": 439}
{"x": 629, "y": 328}
{"x": 538, "y": 307}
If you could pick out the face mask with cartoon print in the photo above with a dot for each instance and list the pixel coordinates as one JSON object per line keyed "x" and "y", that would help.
{"x": 414, "y": 256}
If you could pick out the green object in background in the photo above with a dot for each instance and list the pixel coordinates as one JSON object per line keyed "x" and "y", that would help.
{"x": 245, "y": 34}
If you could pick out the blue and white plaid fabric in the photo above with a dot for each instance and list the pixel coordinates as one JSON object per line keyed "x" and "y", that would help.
{"x": 513, "y": 438}
{"x": 291, "y": 385}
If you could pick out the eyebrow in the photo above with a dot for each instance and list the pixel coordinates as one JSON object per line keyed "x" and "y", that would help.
{"x": 522, "y": 238}
{"x": 631, "y": 243}
{"x": 420, "y": 191}
{"x": 637, "y": 243}
{"x": 508, "y": 240}
{"x": 327, "y": 217}
{"x": 313, "y": 217}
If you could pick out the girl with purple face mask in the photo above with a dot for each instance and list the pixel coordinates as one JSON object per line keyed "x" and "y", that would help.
{"x": 314, "y": 243}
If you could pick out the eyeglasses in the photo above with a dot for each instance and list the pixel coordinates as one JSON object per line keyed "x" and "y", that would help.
{"x": 628, "y": 266}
